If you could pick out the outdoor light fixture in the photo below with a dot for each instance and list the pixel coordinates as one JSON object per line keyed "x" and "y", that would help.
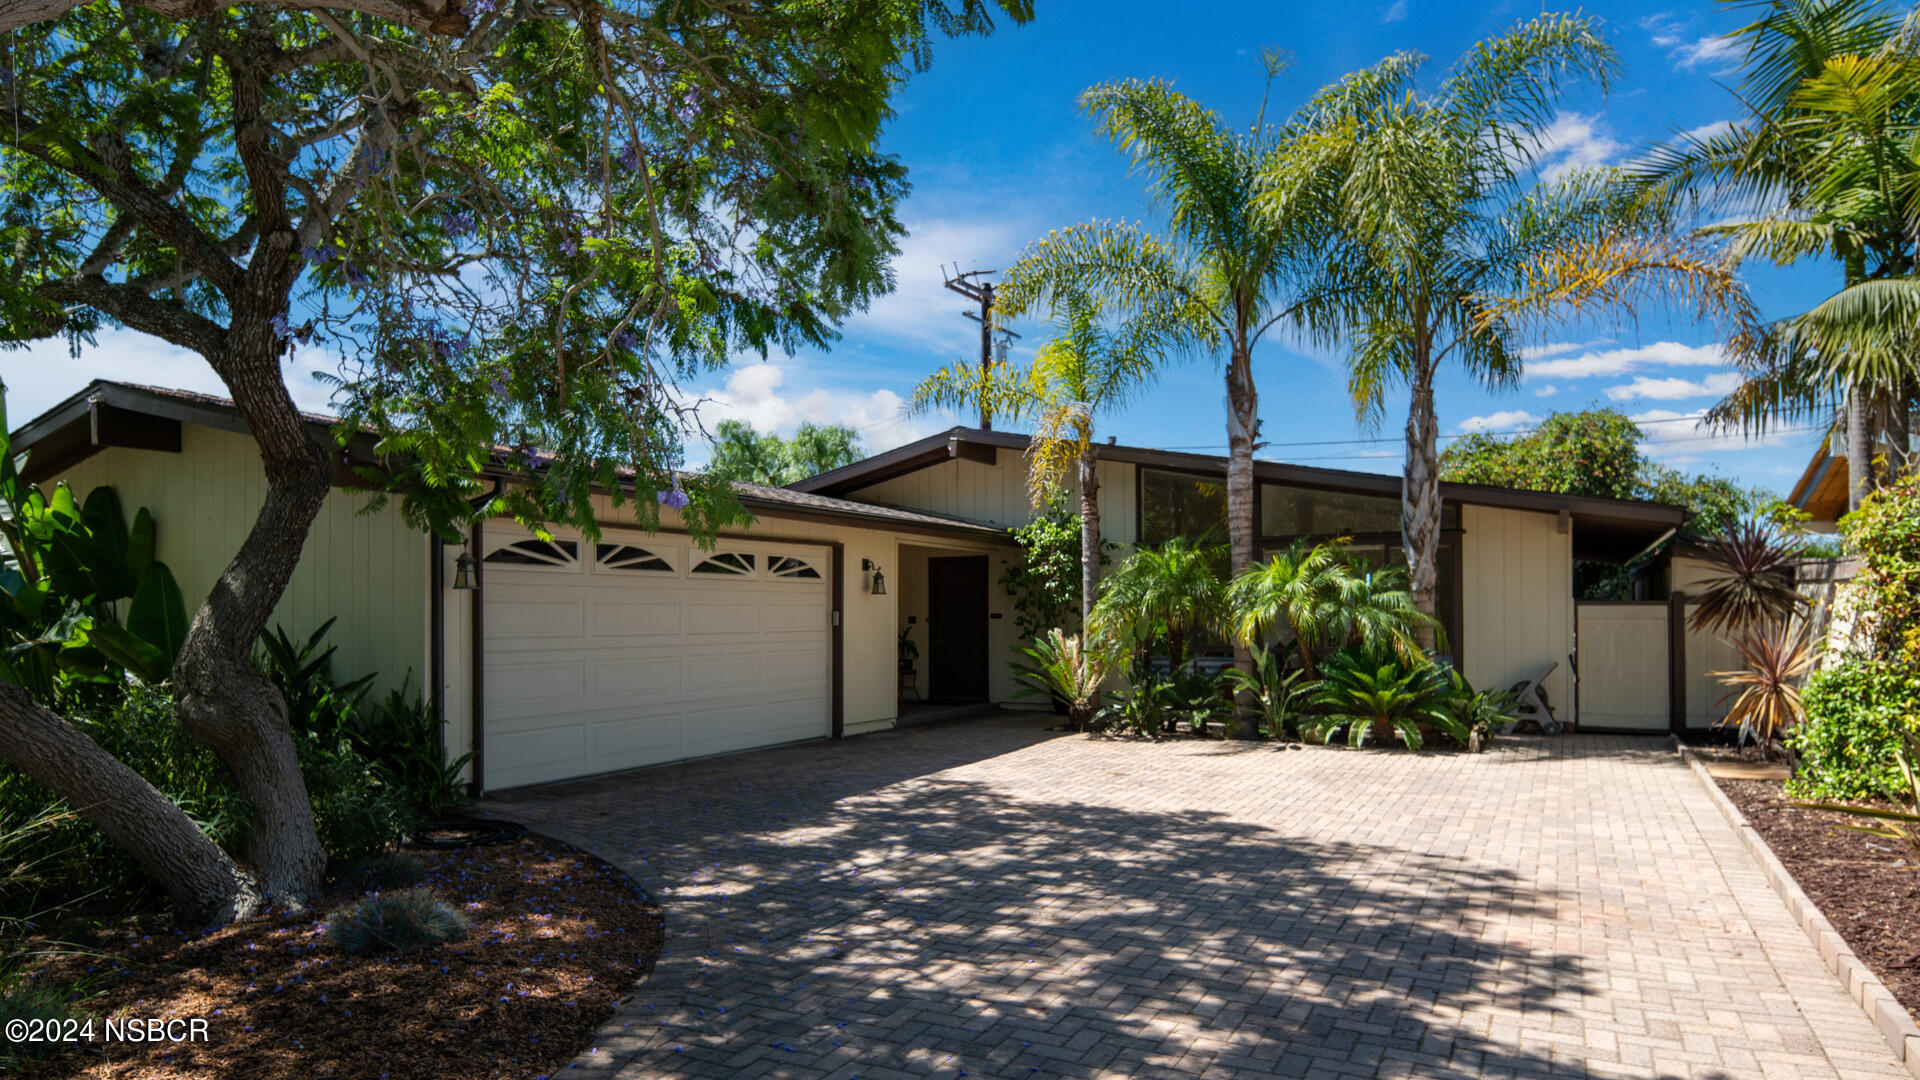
{"x": 464, "y": 577}
{"x": 879, "y": 586}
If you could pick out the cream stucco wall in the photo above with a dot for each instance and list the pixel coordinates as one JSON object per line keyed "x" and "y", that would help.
{"x": 1517, "y": 600}
{"x": 369, "y": 569}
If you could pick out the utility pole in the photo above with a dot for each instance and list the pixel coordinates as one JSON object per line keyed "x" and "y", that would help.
{"x": 980, "y": 292}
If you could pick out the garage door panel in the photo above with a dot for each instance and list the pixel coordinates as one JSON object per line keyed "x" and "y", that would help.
{"x": 618, "y": 677}
{"x": 648, "y": 618}
{"x": 533, "y": 756}
{"x": 550, "y": 682}
{"x": 732, "y": 616}
{"x": 630, "y": 663}
{"x": 794, "y": 665}
{"x": 510, "y": 617}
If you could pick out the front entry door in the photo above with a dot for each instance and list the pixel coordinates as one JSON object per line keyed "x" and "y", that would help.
{"x": 957, "y": 634}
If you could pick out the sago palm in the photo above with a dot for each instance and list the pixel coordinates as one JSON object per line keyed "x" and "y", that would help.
{"x": 1093, "y": 365}
{"x": 1244, "y": 210}
{"x": 1171, "y": 591}
{"x": 1447, "y": 253}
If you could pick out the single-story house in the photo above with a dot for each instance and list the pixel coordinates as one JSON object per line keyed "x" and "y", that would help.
{"x": 572, "y": 657}
{"x": 1822, "y": 488}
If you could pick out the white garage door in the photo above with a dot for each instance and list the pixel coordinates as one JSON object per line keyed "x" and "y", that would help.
{"x": 642, "y": 649}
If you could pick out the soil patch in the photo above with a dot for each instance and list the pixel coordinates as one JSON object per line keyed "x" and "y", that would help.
{"x": 556, "y": 939}
{"x": 1867, "y": 887}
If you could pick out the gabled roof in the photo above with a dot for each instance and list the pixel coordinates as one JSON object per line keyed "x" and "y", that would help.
{"x": 1608, "y": 528}
{"x": 1822, "y": 487}
{"x": 107, "y": 414}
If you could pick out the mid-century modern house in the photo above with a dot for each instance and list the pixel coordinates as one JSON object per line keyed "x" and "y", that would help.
{"x": 574, "y": 657}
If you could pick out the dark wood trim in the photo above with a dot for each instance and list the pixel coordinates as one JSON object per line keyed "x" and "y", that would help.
{"x": 870, "y": 521}
{"x": 477, "y": 665}
{"x": 114, "y": 426}
{"x": 1677, "y": 663}
{"x": 840, "y": 641}
{"x": 979, "y": 453}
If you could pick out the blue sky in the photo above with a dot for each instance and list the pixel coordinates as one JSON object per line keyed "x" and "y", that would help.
{"x": 999, "y": 153}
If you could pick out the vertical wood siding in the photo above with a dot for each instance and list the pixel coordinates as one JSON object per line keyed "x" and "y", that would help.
{"x": 369, "y": 569}
{"x": 997, "y": 494}
{"x": 1517, "y": 596}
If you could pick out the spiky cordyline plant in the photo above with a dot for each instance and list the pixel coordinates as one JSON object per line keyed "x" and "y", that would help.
{"x": 1766, "y": 693}
{"x": 1751, "y": 583}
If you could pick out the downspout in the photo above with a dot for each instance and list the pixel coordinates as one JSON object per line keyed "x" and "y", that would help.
{"x": 437, "y": 635}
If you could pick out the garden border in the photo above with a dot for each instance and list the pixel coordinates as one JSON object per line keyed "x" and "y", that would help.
{"x": 1862, "y": 985}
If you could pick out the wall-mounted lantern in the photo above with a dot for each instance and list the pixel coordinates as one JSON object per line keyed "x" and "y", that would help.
{"x": 465, "y": 577}
{"x": 878, "y": 587}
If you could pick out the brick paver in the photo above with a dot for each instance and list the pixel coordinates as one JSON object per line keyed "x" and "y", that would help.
{"x": 990, "y": 899}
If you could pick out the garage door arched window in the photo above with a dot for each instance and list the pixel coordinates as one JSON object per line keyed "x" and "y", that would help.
{"x": 786, "y": 566}
{"x": 561, "y": 554}
{"x": 628, "y": 557}
{"x": 726, "y": 562}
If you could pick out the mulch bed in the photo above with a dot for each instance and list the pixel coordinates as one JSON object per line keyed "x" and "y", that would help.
{"x": 1867, "y": 887}
{"x": 556, "y": 938}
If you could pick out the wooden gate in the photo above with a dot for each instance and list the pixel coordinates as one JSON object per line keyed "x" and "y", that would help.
{"x": 1625, "y": 656}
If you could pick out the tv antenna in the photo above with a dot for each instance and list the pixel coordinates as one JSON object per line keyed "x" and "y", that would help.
{"x": 981, "y": 292}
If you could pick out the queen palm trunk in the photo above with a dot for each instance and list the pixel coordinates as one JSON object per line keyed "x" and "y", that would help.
{"x": 1243, "y": 420}
{"x": 1089, "y": 535}
{"x": 1420, "y": 499}
{"x": 1859, "y": 446}
{"x": 1899, "y": 428}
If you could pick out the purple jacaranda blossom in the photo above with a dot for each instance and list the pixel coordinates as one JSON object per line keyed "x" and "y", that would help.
{"x": 458, "y": 222}
{"x": 532, "y": 458}
{"x": 316, "y": 255}
{"x": 688, "y": 108}
{"x": 280, "y": 328}
{"x": 628, "y": 158}
{"x": 673, "y": 498}
{"x": 500, "y": 387}
{"x": 861, "y": 183}
{"x": 626, "y": 339}
{"x": 569, "y": 246}
{"x": 477, "y": 8}
{"x": 355, "y": 275}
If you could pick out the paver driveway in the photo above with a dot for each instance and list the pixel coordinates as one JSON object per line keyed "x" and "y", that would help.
{"x": 993, "y": 900}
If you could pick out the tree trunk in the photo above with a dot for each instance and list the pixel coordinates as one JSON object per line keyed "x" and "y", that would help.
{"x": 1420, "y": 499}
{"x": 1089, "y": 536}
{"x": 1899, "y": 428}
{"x": 223, "y": 701}
{"x": 1859, "y": 446}
{"x": 1243, "y": 422}
{"x": 203, "y": 884}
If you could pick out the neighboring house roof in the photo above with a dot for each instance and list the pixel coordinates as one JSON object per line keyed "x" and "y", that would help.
{"x": 1608, "y": 528}
{"x": 1822, "y": 487}
{"x": 108, "y": 414}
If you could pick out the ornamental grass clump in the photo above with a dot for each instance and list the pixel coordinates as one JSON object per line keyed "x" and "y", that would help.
{"x": 401, "y": 921}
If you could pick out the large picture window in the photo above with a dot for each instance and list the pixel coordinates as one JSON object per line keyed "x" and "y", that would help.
{"x": 1182, "y": 504}
{"x": 1292, "y": 511}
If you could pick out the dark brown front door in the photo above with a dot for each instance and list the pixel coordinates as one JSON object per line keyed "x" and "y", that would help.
{"x": 957, "y": 628}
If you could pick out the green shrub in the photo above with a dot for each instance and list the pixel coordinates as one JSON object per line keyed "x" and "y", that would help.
{"x": 1278, "y": 694}
{"x": 23, "y": 998}
{"x": 1885, "y": 531}
{"x": 1375, "y": 696}
{"x": 357, "y": 813}
{"x": 403, "y": 921}
{"x": 1857, "y": 712}
{"x": 401, "y": 736}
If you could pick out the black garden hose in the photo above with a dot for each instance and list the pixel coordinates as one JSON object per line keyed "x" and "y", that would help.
{"x": 446, "y": 834}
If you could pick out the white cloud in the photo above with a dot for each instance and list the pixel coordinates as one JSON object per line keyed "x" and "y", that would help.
{"x": 1546, "y": 391}
{"x": 1718, "y": 384}
{"x": 1500, "y": 421}
{"x": 1621, "y": 361}
{"x": 1395, "y": 13}
{"x": 773, "y": 396}
{"x": 45, "y": 373}
{"x": 1709, "y": 51}
{"x": 1530, "y": 353}
{"x": 1682, "y": 439}
{"x": 1573, "y": 141}
{"x": 921, "y": 309}
{"x": 1708, "y": 131}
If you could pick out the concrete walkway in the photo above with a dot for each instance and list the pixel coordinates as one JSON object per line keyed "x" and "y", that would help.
{"x": 990, "y": 899}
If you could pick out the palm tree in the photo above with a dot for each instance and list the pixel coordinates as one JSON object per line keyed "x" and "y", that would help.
{"x": 1446, "y": 253}
{"x": 1244, "y": 210}
{"x": 1324, "y": 600}
{"x": 1828, "y": 151}
{"x": 1089, "y": 368}
{"x": 1171, "y": 591}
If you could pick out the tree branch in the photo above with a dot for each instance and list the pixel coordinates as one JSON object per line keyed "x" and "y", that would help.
{"x": 441, "y": 17}
{"x": 131, "y": 306}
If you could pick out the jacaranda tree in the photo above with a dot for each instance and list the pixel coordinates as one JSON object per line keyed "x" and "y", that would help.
{"x": 519, "y": 223}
